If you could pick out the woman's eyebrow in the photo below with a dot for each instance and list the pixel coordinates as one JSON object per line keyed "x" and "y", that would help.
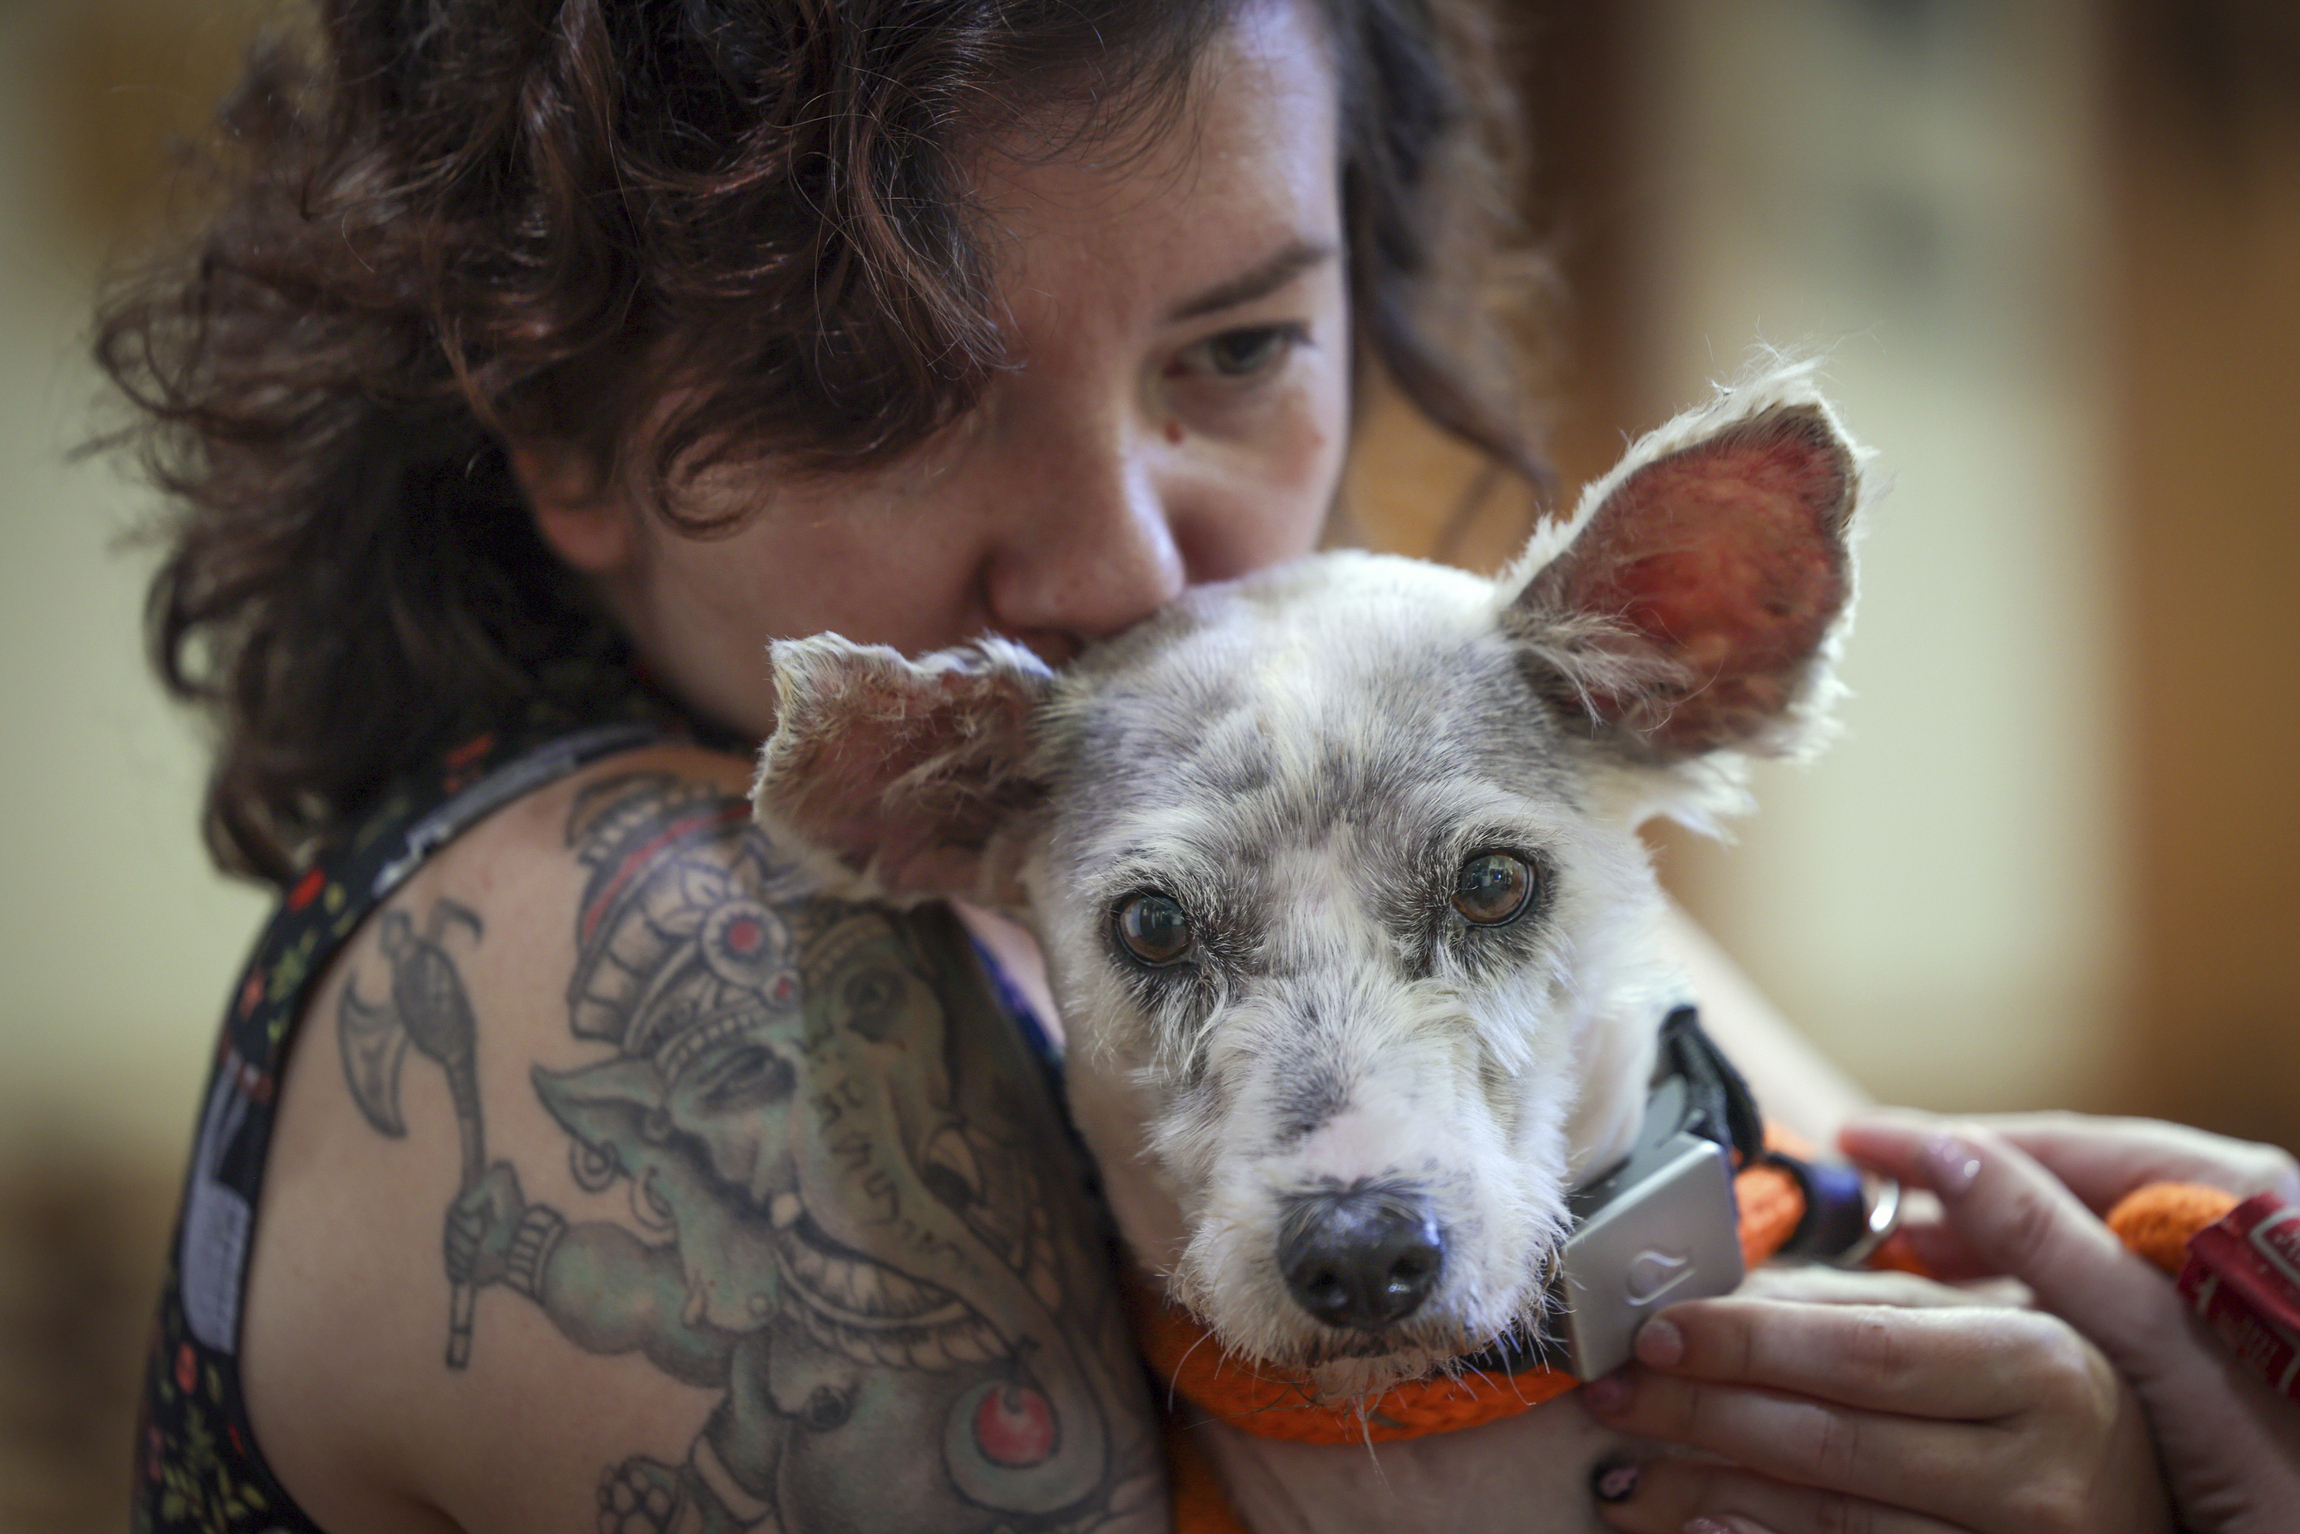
{"x": 1296, "y": 258}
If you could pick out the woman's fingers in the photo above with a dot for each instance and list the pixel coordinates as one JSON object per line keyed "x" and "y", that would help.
{"x": 2099, "y": 1159}
{"x": 2017, "y": 1218}
{"x": 1922, "y": 1465}
{"x": 1979, "y": 1418}
{"x": 1672, "y": 1494}
{"x": 1819, "y": 1284}
{"x": 1948, "y": 1362}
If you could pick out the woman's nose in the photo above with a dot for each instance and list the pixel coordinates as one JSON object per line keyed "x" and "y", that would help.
{"x": 1085, "y": 545}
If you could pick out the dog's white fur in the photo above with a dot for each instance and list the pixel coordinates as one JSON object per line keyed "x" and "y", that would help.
{"x": 1302, "y": 760}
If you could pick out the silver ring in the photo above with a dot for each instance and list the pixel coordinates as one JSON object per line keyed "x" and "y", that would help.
{"x": 1884, "y": 1203}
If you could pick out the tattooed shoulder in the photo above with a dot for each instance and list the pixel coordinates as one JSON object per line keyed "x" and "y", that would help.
{"x": 793, "y": 1157}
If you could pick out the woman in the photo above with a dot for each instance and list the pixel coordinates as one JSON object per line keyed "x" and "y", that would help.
{"x": 567, "y": 1161}
{"x": 541, "y": 364}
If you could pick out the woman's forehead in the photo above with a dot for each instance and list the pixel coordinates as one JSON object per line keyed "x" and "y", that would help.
{"x": 1245, "y": 178}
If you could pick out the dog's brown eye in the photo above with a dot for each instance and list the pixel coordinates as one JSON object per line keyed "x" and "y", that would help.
{"x": 1493, "y": 888}
{"x": 1153, "y": 927}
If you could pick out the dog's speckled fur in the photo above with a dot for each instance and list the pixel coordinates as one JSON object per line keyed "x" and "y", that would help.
{"x": 1303, "y": 760}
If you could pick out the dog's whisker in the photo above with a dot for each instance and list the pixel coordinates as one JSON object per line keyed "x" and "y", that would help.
{"x": 1203, "y": 1338}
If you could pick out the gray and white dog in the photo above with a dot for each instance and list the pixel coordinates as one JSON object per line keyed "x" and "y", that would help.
{"x": 1337, "y": 874}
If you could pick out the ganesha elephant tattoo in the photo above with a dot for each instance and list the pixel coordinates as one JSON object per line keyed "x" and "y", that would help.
{"x": 852, "y": 1211}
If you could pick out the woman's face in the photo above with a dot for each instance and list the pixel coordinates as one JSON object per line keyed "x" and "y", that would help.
{"x": 1176, "y": 413}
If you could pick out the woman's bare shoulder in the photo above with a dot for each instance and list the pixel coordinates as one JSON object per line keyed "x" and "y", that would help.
{"x": 622, "y": 1180}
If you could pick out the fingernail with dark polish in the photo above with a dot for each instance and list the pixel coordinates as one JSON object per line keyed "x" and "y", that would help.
{"x": 1614, "y": 1480}
{"x": 1660, "y": 1344}
{"x": 1950, "y": 1163}
{"x": 1606, "y": 1394}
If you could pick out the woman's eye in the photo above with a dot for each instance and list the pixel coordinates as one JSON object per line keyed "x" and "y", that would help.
{"x": 1152, "y": 927}
{"x": 1242, "y": 353}
{"x": 1494, "y": 888}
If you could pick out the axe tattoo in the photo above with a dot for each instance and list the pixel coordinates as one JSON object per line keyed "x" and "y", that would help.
{"x": 429, "y": 1009}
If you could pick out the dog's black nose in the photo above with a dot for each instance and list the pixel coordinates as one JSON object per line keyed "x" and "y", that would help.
{"x": 1364, "y": 1257}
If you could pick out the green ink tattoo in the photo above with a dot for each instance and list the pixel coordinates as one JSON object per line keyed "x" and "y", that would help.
{"x": 854, "y": 1213}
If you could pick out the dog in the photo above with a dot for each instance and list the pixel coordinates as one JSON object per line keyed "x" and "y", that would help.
{"x": 1337, "y": 873}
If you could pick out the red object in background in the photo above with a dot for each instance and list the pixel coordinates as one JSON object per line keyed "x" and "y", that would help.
{"x": 2243, "y": 1278}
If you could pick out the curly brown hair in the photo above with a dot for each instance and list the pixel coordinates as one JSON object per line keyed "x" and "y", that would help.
{"x": 443, "y": 225}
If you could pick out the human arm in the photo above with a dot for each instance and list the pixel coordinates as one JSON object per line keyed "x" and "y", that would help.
{"x": 1796, "y": 1085}
{"x": 771, "y": 1215}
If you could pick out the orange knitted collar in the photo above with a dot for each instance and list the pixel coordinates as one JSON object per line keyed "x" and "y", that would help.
{"x": 1271, "y": 1402}
{"x": 2157, "y": 1221}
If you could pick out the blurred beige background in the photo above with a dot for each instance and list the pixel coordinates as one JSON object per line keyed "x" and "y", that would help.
{"x": 2052, "y": 249}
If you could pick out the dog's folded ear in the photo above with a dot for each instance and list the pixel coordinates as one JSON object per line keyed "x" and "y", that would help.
{"x": 900, "y": 779}
{"x": 1694, "y": 603}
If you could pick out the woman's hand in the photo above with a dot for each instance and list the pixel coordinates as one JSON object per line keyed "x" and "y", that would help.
{"x": 2014, "y": 1195}
{"x": 1881, "y": 1403}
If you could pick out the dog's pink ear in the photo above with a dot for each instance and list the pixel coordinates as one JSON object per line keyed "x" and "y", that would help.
{"x": 904, "y": 779}
{"x": 1696, "y": 599}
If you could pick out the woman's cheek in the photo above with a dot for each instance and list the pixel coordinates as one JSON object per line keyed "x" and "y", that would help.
{"x": 1303, "y": 462}
{"x": 1296, "y": 445}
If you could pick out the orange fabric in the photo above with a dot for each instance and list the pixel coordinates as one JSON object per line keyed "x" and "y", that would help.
{"x": 1772, "y": 1201}
{"x": 2156, "y": 1221}
{"x": 1276, "y": 1403}
{"x": 1770, "y": 1198}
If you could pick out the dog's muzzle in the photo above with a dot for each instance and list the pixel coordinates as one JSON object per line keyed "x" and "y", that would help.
{"x": 1363, "y": 1257}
